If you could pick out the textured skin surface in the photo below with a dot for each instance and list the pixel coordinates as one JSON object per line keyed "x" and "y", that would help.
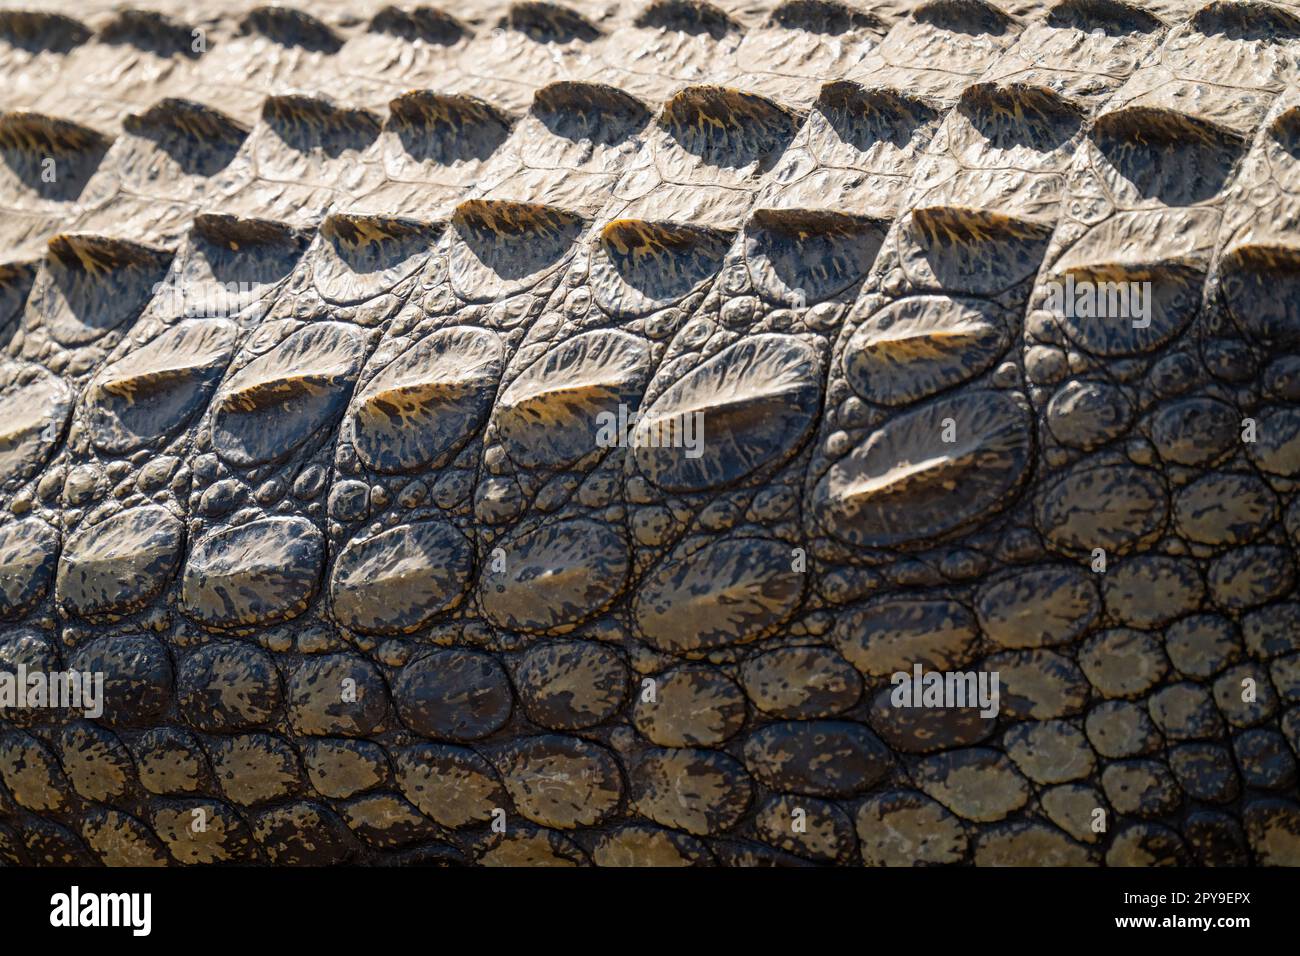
{"x": 306, "y": 344}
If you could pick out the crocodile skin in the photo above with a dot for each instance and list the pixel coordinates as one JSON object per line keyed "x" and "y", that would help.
{"x": 312, "y": 324}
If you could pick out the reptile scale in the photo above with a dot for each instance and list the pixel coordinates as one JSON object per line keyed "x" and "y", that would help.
{"x": 337, "y": 347}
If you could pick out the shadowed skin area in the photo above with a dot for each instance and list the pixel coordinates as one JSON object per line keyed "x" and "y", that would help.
{"x": 524, "y": 434}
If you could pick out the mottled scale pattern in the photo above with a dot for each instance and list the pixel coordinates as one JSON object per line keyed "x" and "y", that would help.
{"x": 535, "y": 433}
